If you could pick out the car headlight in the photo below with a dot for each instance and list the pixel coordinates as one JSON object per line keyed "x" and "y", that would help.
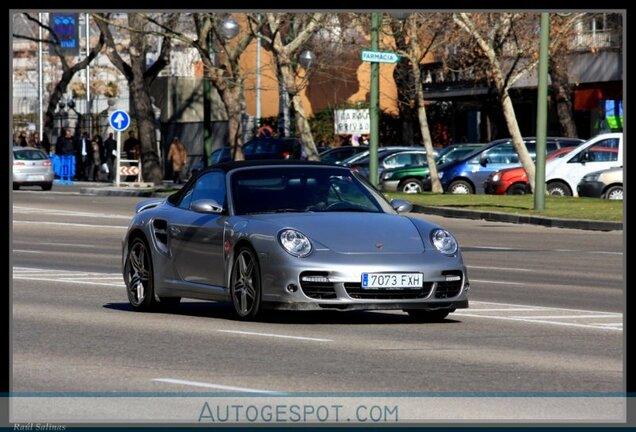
{"x": 295, "y": 243}
{"x": 591, "y": 177}
{"x": 497, "y": 176}
{"x": 387, "y": 175}
{"x": 444, "y": 241}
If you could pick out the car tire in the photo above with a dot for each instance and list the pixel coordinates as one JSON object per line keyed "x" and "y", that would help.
{"x": 245, "y": 284}
{"x": 461, "y": 187}
{"x": 139, "y": 277}
{"x": 558, "y": 188}
{"x": 412, "y": 185}
{"x": 517, "y": 189}
{"x": 423, "y": 315}
{"x": 47, "y": 187}
{"x": 614, "y": 193}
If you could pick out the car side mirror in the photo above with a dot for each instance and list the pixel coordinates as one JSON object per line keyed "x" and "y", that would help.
{"x": 483, "y": 161}
{"x": 206, "y": 206}
{"x": 401, "y": 206}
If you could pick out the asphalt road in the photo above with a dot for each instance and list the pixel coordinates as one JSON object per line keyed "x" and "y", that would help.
{"x": 545, "y": 316}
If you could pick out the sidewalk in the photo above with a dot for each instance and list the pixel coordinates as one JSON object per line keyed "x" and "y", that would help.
{"x": 89, "y": 188}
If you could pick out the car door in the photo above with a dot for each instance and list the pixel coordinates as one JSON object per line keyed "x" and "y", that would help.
{"x": 497, "y": 158}
{"x": 196, "y": 239}
{"x": 598, "y": 156}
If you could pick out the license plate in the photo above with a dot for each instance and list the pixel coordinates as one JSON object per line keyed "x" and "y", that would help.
{"x": 35, "y": 177}
{"x": 392, "y": 280}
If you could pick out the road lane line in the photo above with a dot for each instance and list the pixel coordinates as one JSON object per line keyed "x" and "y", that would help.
{"x": 216, "y": 386}
{"x": 58, "y": 212}
{"x": 71, "y": 224}
{"x": 564, "y": 324}
{"x": 547, "y": 307}
{"x": 497, "y": 282}
{"x": 529, "y": 309}
{"x": 563, "y": 316}
{"x": 538, "y": 250}
{"x": 29, "y": 251}
{"x": 120, "y": 285}
{"x": 501, "y": 268}
{"x": 75, "y": 245}
{"x": 275, "y": 335}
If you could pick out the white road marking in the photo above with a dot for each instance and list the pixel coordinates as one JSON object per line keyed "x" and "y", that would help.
{"x": 59, "y": 212}
{"x": 501, "y": 268}
{"x": 477, "y": 302}
{"x": 540, "y": 250}
{"x": 119, "y": 285}
{"x": 215, "y": 386}
{"x": 529, "y": 320}
{"x": 71, "y": 224}
{"x": 47, "y": 192}
{"x": 497, "y": 282}
{"x": 275, "y": 335}
{"x": 29, "y": 251}
{"x": 75, "y": 245}
{"x": 564, "y": 316}
{"x": 528, "y": 309}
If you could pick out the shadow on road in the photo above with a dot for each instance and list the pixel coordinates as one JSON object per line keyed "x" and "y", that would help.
{"x": 224, "y": 311}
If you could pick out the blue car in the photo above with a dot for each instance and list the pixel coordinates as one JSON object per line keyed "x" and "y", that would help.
{"x": 468, "y": 174}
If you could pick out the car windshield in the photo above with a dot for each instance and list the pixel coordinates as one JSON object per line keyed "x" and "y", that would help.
{"x": 454, "y": 154}
{"x": 302, "y": 189}
{"x": 29, "y": 155}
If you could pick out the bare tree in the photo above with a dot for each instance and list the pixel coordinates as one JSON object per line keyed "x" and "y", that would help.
{"x": 68, "y": 69}
{"x": 286, "y": 35}
{"x": 422, "y": 34}
{"x": 140, "y": 76}
{"x": 509, "y": 43}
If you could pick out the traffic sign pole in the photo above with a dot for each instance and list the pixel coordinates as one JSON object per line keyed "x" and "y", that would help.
{"x": 119, "y": 120}
{"x": 117, "y": 179}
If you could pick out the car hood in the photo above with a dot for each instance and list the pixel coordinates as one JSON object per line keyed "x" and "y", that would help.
{"x": 347, "y": 232}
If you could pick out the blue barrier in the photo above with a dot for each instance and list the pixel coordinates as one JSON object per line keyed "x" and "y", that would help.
{"x": 64, "y": 167}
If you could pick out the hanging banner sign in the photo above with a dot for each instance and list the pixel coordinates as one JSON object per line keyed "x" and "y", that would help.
{"x": 66, "y": 28}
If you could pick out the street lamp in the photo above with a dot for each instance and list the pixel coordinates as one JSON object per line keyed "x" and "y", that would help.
{"x": 229, "y": 29}
{"x": 307, "y": 59}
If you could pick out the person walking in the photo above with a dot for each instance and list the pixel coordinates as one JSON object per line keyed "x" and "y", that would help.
{"x": 84, "y": 157}
{"x": 179, "y": 157}
{"x": 96, "y": 158}
{"x": 110, "y": 155}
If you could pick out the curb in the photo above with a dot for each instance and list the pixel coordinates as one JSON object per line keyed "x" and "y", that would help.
{"x": 520, "y": 219}
{"x": 115, "y": 191}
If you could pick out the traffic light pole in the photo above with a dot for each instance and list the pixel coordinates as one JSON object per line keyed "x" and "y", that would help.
{"x": 542, "y": 114}
{"x": 374, "y": 102}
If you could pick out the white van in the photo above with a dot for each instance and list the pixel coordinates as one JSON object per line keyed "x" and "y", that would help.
{"x": 604, "y": 151}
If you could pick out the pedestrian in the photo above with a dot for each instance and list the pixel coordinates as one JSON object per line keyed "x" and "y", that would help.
{"x": 84, "y": 157}
{"x": 179, "y": 157}
{"x": 65, "y": 144}
{"x": 46, "y": 144}
{"x": 365, "y": 140}
{"x": 23, "y": 140}
{"x": 96, "y": 157}
{"x": 110, "y": 153}
{"x": 132, "y": 146}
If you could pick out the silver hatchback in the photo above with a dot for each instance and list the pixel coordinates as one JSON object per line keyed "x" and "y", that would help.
{"x": 31, "y": 167}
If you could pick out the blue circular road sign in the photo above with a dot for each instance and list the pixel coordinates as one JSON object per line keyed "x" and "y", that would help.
{"x": 119, "y": 120}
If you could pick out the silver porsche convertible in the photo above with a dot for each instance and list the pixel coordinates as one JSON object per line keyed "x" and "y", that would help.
{"x": 290, "y": 235}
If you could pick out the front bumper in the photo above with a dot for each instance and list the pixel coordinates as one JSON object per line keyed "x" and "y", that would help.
{"x": 445, "y": 284}
{"x": 592, "y": 189}
{"x": 389, "y": 185}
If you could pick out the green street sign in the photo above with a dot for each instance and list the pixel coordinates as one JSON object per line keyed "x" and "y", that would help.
{"x": 379, "y": 56}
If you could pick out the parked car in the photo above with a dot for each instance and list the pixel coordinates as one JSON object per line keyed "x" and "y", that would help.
{"x": 338, "y": 154}
{"x": 601, "y": 152}
{"x": 602, "y": 184}
{"x": 468, "y": 174}
{"x": 514, "y": 181}
{"x": 391, "y": 157}
{"x": 32, "y": 167}
{"x": 415, "y": 179}
{"x": 257, "y": 149}
{"x": 290, "y": 235}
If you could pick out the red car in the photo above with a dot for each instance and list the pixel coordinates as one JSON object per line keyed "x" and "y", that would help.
{"x": 514, "y": 181}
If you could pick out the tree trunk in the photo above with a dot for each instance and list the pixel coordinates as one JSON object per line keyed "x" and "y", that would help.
{"x": 145, "y": 117}
{"x": 303, "y": 129}
{"x": 436, "y": 186}
{"x": 231, "y": 96}
{"x": 561, "y": 95}
{"x": 515, "y": 134}
{"x": 56, "y": 95}
{"x": 142, "y": 104}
